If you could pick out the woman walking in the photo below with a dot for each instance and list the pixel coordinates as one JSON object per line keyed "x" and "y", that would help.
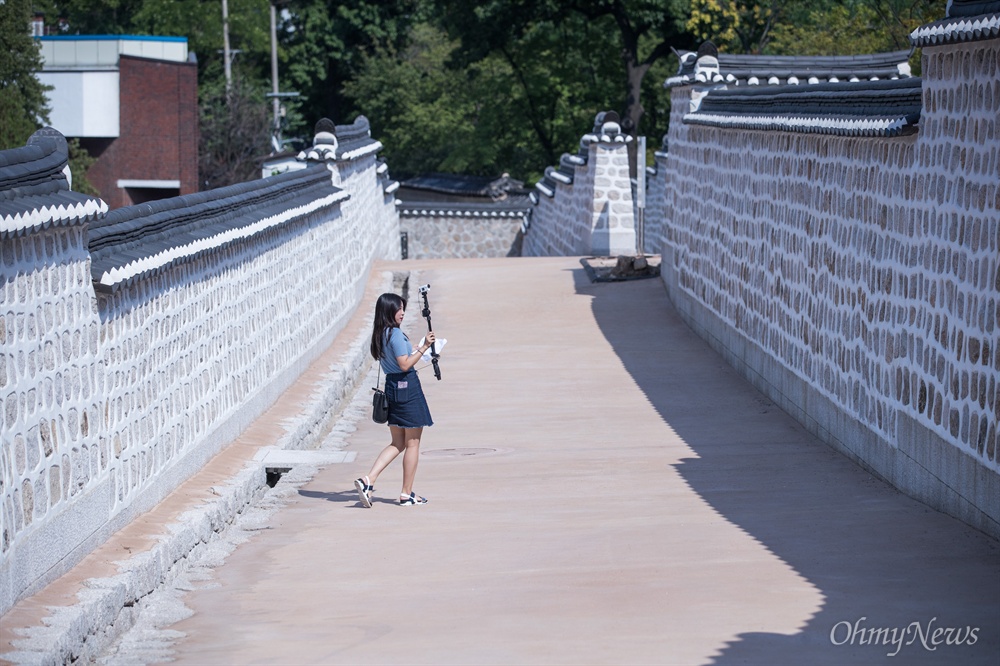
{"x": 408, "y": 412}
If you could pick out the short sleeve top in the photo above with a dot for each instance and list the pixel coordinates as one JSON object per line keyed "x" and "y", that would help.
{"x": 396, "y": 345}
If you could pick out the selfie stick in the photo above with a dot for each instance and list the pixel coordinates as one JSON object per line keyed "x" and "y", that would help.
{"x": 427, "y": 315}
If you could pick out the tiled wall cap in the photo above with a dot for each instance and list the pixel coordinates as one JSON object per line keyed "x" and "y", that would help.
{"x": 736, "y": 69}
{"x": 957, "y": 30}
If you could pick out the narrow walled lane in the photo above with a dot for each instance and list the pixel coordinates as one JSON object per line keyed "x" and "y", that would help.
{"x": 603, "y": 489}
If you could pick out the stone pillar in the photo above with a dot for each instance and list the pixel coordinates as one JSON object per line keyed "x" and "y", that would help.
{"x": 612, "y": 214}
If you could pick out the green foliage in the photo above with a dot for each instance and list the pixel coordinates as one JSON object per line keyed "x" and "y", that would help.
{"x": 514, "y": 110}
{"x": 571, "y": 59}
{"x": 737, "y": 27}
{"x": 852, "y": 28}
{"x": 479, "y": 87}
{"x": 325, "y": 44}
{"x": 91, "y": 17}
{"x": 23, "y": 107}
{"x": 15, "y": 123}
{"x": 201, "y": 22}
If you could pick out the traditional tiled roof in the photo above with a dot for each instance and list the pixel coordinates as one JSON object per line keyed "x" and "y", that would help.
{"x": 456, "y": 195}
{"x": 462, "y": 185}
{"x": 739, "y": 69}
{"x": 34, "y": 190}
{"x": 864, "y": 108}
{"x": 139, "y": 240}
{"x": 341, "y": 142}
{"x": 967, "y": 21}
{"x": 515, "y": 207}
{"x": 388, "y": 184}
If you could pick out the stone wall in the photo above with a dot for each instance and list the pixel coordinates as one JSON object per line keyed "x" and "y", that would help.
{"x": 436, "y": 234}
{"x": 116, "y": 387}
{"x": 586, "y": 206}
{"x": 857, "y": 280}
{"x": 655, "y": 218}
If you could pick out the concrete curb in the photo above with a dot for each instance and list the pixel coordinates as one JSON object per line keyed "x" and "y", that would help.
{"x": 108, "y": 607}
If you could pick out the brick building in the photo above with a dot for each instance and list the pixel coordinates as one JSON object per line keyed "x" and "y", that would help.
{"x": 133, "y": 103}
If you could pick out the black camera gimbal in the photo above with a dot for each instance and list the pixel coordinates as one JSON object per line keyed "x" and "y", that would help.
{"x": 426, "y": 313}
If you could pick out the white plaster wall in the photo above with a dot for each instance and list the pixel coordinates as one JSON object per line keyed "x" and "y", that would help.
{"x": 612, "y": 209}
{"x": 656, "y": 206}
{"x": 857, "y": 280}
{"x": 51, "y": 378}
{"x": 594, "y": 215}
{"x": 374, "y": 210}
{"x": 109, "y": 401}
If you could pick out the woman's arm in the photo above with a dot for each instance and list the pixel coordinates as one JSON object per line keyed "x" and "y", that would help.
{"x": 406, "y": 363}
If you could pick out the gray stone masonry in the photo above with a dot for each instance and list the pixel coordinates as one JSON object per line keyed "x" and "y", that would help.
{"x": 112, "y": 397}
{"x": 437, "y": 235}
{"x": 857, "y": 280}
{"x": 590, "y": 212}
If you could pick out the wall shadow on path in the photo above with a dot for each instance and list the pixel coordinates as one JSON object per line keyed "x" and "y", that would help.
{"x": 871, "y": 551}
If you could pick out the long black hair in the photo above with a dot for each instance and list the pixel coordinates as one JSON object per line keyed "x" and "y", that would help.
{"x": 385, "y": 318}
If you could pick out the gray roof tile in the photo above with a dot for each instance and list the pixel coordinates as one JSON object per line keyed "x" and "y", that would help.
{"x": 864, "y": 108}
{"x": 138, "y": 240}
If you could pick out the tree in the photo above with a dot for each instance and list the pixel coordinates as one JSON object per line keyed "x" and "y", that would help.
{"x": 738, "y": 27}
{"x": 233, "y": 131}
{"x": 514, "y": 110}
{"x": 851, "y": 28}
{"x": 325, "y": 43}
{"x": 90, "y": 17}
{"x": 23, "y": 106}
{"x": 644, "y": 31}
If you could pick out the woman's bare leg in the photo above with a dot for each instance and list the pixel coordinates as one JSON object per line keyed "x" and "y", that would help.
{"x": 411, "y": 456}
{"x": 389, "y": 454}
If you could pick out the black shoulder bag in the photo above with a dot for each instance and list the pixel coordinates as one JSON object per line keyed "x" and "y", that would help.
{"x": 380, "y": 404}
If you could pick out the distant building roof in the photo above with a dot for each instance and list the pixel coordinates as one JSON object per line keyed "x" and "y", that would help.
{"x": 966, "y": 21}
{"x": 88, "y": 52}
{"x": 520, "y": 207}
{"x": 457, "y": 187}
{"x": 457, "y": 195}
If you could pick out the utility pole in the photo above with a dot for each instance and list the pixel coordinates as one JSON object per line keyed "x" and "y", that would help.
{"x": 276, "y": 93}
{"x": 225, "y": 47}
{"x": 275, "y": 101}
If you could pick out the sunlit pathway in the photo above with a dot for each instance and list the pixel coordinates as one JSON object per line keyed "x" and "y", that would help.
{"x": 603, "y": 489}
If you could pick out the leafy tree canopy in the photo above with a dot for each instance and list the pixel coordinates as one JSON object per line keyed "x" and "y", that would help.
{"x": 326, "y": 42}
{"x": 479, "y": 87}
{"x": 23, "y": 107}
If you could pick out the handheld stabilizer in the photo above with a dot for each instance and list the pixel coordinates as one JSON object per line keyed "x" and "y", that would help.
{"x": 426, "y": 313}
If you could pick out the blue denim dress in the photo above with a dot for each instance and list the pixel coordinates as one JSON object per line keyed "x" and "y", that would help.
{"x": 407, "y": 405}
